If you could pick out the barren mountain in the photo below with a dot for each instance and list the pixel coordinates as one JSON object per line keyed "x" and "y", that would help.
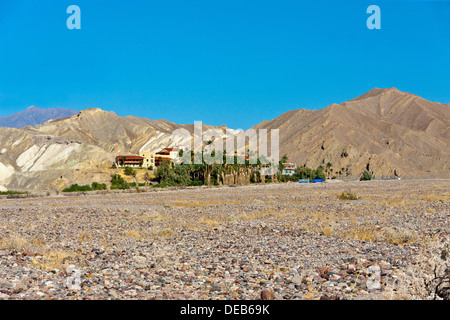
{"x": 386, "y": 131}
{"x": 34, "y": 116}
{"x": 77, "y": 149}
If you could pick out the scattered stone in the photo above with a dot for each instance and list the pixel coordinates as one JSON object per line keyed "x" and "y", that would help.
{"x": 273, "y": 247}
{"x": 297, "y": 279}
{"x": 267, "y": 294}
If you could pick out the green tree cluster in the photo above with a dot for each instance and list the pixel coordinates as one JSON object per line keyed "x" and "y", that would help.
{"x": 166, "y": 175}
{"x": 77, "y": 188}
{"x": 129, "y": 171}
{"x": 117, "y": 182}
{"x": 304, "y": 173}
{"x": 366, "y": 175}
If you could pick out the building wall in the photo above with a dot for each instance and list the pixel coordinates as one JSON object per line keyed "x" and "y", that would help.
{"x": 131, "y": 165}
{"x": 149, "y": 159}
{"x": 128, "y": 162}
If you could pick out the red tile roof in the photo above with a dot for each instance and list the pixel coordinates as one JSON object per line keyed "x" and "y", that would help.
{"x": 131, "y": 157}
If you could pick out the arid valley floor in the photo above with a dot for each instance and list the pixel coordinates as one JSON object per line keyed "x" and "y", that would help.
{"x": 299, "y": 241}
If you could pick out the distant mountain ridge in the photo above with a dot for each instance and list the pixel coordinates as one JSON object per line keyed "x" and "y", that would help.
{"x": 77, "y": 149}
{"x": 34, "y": 116}
{"x": 385, "y": 131}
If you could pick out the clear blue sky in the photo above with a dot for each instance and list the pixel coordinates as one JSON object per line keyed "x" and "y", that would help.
{"x": 230, "y": 62}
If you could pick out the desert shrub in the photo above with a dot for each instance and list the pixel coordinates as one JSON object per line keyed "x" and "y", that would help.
{"x": 308, "y": 173}
{"x": 117, "y": 182}
{"x": 366, "y": 175}
{"x": 128, "y": 171}
{"x": 347, "y": 195}
{"x": 134, "y": 184}
{"x": 160, "y": 185}
{"x": 195, "y": 183}
{"x": 76, "y": 188}
{"x": 98, "y": 186}
{"x": 440, "y": 284}
{"x": 6, "y": 193}
{"x": 286, "y": 178}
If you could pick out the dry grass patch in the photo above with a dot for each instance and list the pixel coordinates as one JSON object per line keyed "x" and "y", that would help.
{"x": 38, "y": 242}
{"x": 327, "y": 231}
{"x": 265, "y": 213}
{"x": 85, "y": 236}
{"x": 212, "y": 223}
{"x": 166, "y": 233}
{"x": 46, "y": 259}
{"x": 20, "y": 243}
{"x": 152, "y": 216}
{"x": 348, "y": 195}
{"x": 374, "y": 233}
{"x": 133, "y": 234}
{"x": 399, "y": 202}
{"x": 15, "y": 242}
{"x": 53, "y": 259}
{"x": 437, "y": 197}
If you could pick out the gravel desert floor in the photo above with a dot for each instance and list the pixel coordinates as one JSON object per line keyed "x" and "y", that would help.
{"x": 336, "y": 240}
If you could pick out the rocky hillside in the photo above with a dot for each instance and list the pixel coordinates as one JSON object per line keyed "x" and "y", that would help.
{"x": 59, "y": 152}
{"x": 386, "y": 131}
{"x": 34, "y": 116}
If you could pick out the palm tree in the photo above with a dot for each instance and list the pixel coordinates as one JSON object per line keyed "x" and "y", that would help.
{"x": 283, "y": 160}
{"x": 329, "y": 165}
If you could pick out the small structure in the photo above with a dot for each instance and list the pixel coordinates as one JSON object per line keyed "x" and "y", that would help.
{"x": 129, "y": 161}
{"x": 166, "y": 154}
{"x": 289, "y": 169}
{"x": 149, "y": 159}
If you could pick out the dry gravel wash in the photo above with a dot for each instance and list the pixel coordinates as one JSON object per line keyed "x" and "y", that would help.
{"x": 294, "y": 240}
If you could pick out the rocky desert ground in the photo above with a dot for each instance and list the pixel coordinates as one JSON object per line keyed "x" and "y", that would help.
{"x": 274, "y": 241}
